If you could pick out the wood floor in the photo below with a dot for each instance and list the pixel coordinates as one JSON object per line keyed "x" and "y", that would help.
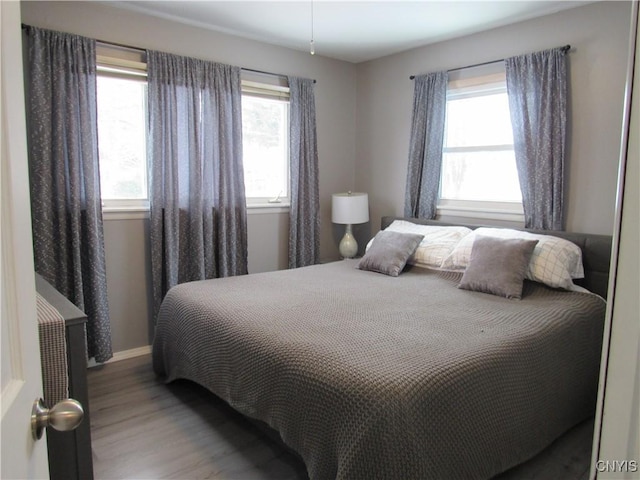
{"x": 144, "y": 429}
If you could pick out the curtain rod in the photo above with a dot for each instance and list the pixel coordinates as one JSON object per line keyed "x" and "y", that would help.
{"x": 114, "y": 44}
{"x": 565, "y": 49}
{"x": 122, "y": 45}
{"x": 262, "y": 72}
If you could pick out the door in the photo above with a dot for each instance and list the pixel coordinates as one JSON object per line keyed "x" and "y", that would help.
{"x": 21, "y": 383}
{"x": 616, "y": 452}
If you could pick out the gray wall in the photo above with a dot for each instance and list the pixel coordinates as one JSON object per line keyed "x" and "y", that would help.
{"x": 128, "y": 269}
{"x": 598, "y": 34}
{"x": 126, "y": 247}
{"x": 128, "y": 273}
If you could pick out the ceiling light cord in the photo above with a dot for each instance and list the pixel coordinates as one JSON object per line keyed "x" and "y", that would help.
{"x": 312, "y": 47}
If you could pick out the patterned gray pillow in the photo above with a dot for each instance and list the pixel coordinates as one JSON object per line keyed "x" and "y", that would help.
{"x": 389, "y": 252}
{"x": 498, "y": 266}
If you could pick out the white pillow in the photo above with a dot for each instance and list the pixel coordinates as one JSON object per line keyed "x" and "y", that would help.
{"x": 437, "y": 244}
{"x": 554, "y": 262}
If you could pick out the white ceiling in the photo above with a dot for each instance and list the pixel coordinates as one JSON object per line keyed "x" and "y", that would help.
{"x": 354, "y": 31}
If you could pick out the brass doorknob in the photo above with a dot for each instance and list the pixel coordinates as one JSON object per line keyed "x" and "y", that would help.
{"x": 63, "y": 416}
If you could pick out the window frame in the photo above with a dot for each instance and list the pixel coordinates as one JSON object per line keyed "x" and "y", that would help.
{"x": 279, "y": 92}
{"x": 469, "y": 84}
{"x": 129, "y": 64}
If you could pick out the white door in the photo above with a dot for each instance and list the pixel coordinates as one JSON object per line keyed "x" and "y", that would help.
{"x": 21, "y": 457}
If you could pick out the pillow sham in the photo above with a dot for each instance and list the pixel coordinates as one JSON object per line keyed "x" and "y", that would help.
{"x": 554, "y": 262}
{"x": 437, "y": 244}
{"x": 389, "y": 252}
{"x": 498, "y": 266}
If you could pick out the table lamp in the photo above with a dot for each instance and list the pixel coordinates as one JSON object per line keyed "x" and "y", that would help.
{"x": 349, "y": 208}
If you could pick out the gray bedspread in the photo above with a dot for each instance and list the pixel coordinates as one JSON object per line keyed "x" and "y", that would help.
{"x": 368, "y": 376}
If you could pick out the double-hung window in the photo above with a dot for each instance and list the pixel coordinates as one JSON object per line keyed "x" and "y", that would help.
{"x": 122, "y": 137}
{"x": 479, "y": 177}
{"x": 265, "y": 143}
{"x": 122, "y": 134}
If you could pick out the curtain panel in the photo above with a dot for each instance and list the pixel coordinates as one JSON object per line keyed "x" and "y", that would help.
{"x": 304, "y": 215}
{"x": 425, "y": 145}
{"x": 65, "y": 178}
{"x": 537, "y": 90}
{"x": 198, "y": 222}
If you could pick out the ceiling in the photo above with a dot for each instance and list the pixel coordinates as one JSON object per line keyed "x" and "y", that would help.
{"x": 354, "y": 31}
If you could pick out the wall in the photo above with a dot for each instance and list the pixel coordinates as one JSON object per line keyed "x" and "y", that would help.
{"x": 126, "y": 245}
{"x": 598, "y": 34}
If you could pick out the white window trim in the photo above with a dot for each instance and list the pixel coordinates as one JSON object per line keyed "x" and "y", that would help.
{"x": 114, "y": 57}
{"x": 114, "y": 209}
{"x": 130, "y": 64}
{"x": 481, "y": 148}
{"x": 110, "y": 215}
{"x": 263, "y": 202}
{"x": 265, "y": 90}
{"x": 278, "y": 204}
{"x": 486, "y": 80}
{"x": 143, "y": 213}
{"x": 267, "y": 209}
{"x": 505, "y": 211}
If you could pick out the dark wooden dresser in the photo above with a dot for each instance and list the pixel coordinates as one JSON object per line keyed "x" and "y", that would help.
{"x": 70, "y": 452}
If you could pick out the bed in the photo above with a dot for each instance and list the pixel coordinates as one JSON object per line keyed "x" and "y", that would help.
{"x": 369, "y": 376}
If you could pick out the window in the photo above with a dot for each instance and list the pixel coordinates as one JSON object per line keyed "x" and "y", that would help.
{"x": 265, "y": 143}
{"x": 122, "y": 139}
{"x": 479, "y": 172}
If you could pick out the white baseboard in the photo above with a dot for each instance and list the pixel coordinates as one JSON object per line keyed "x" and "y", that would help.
{"x": 124, "y": 355}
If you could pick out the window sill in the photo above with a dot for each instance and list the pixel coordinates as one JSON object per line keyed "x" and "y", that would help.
{"x": 267, "y": 208}
{"x": 142, "y": 213}
{"x": 125, "y": 213}
{"x": 480, "y": 213}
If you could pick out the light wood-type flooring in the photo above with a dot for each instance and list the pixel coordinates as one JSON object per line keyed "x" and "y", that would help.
{"x": 144, "y": 429}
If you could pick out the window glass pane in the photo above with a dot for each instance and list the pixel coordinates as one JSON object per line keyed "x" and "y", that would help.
{"x": 478, "y": 121}
{"x": 265, "y": 145}
{"x": 122, "y": 138}
{"x": 480, "y": 176}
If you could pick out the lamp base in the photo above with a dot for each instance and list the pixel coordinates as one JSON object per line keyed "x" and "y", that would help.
{"x": 348, "y": 245}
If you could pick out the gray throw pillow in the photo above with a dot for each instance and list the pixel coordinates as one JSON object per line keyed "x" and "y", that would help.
{"x": 498, "y": 266}
{"x": 389, "y": 252}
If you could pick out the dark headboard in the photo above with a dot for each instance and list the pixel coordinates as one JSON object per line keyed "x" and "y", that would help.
{"x": 596, "y": 251}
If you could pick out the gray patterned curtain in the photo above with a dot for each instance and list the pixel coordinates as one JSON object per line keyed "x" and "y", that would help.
{"x": 65, "y": 179}
{"x": 304, "y": 216}
{"x": 198, "y": 223}
{"x": 537, "y": 89}
{"x": 425, "y": 145}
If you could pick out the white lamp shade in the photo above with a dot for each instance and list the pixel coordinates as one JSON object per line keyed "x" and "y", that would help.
{"x": 349, "y": 208}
